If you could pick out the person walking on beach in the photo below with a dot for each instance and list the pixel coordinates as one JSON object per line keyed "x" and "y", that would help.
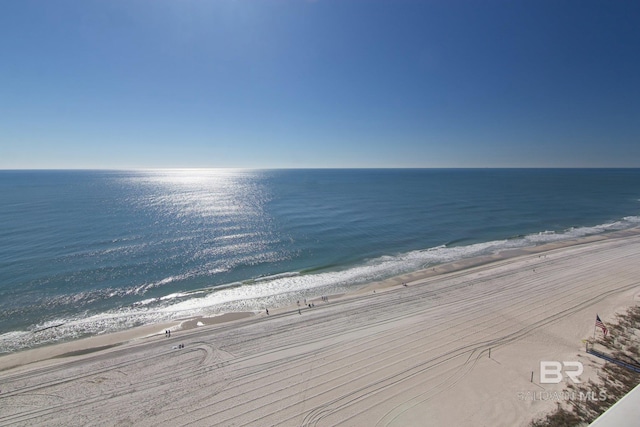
{"x": 267, "y": 311}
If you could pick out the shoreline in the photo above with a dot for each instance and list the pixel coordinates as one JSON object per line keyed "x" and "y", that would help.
{"x": 507, "y": 254}
{"x": 99, "y": 343}
{"x": 456, "y": 345}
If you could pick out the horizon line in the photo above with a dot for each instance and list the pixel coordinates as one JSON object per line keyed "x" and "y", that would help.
{"x": 116, "y": 169}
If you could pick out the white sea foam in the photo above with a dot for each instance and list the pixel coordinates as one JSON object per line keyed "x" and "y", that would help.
{"x": 277, "y": 276}
{"x": 173, "y": 296}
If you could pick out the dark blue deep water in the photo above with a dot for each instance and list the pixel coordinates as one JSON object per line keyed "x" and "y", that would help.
{"x": 96, "y": 251}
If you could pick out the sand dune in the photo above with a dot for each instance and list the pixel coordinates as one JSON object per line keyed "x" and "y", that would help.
{"x": 402, "y": 356}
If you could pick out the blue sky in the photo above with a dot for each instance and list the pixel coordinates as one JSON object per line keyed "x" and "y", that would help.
{"x": 326, "y": 83}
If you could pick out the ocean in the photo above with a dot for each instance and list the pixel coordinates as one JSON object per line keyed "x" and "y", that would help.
{"x": 89, "y": 252}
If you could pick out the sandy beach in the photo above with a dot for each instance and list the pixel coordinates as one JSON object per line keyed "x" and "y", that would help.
{"x": 453, "y": 345}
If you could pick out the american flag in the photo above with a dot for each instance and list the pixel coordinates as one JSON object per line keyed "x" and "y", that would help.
{"x": 599, "y": 324}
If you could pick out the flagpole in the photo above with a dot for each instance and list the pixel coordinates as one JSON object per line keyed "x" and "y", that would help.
{"x": 594, "y": 330}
